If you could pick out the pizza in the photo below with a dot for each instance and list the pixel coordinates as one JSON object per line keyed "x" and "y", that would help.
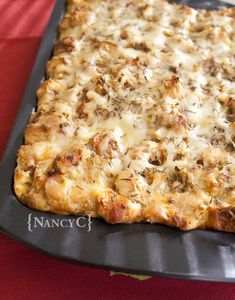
{"x": 136, "y": 118}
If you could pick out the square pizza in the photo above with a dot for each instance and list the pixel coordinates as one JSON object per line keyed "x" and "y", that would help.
{"x": 136, "y": 118}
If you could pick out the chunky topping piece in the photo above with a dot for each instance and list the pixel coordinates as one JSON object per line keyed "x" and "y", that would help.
{"x": 103, "y": 144}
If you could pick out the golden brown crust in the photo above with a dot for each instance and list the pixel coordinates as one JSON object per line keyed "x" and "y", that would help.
{"x": 136, "y": 118}
{"x": 222, "y": 219}
{"x": 66, "y": 45}
{"x": 116, "y": 209}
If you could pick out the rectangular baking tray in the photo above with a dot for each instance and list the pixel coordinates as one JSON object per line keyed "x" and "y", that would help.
{"x": 138, "y": 248}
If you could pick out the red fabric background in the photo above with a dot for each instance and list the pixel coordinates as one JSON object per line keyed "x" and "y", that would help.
{"x": 24, "y": 273}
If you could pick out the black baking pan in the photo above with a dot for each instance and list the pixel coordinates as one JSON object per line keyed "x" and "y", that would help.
{"x": 137, "y": 248}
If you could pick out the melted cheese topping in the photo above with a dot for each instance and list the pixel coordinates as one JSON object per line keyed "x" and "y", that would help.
{"x": 145, "y": 90}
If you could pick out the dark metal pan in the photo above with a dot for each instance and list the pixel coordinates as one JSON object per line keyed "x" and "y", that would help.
{"x": 138, "y": 248}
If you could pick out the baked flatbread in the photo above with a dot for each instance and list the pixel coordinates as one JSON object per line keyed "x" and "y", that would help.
{"x": 136, "y": 119}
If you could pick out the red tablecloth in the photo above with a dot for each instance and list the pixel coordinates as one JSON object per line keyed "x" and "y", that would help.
{"x": 26, "y": 274}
